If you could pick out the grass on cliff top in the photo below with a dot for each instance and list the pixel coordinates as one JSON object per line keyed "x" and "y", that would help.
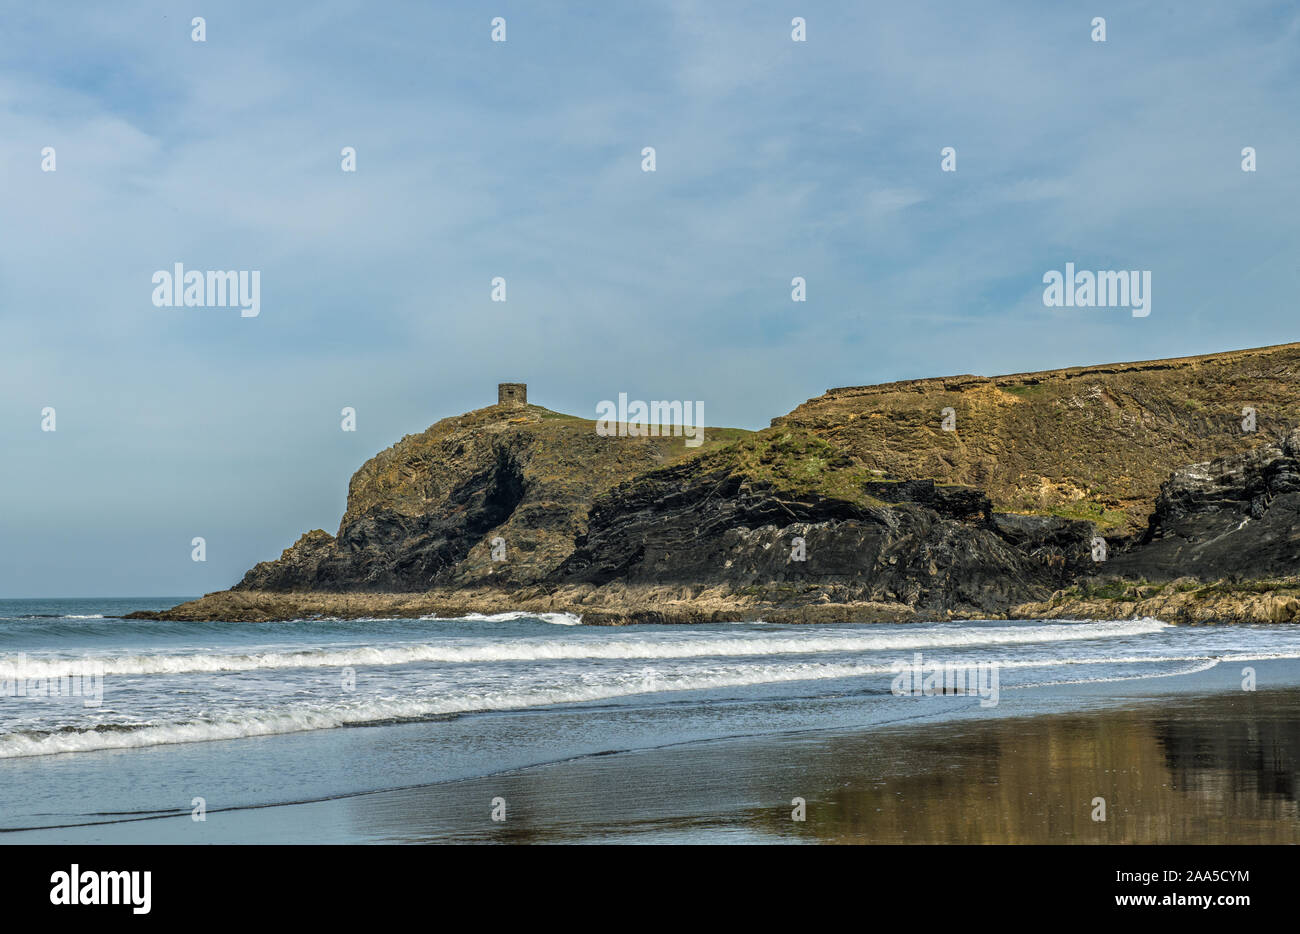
{"x": 497, "y": 414}
{"x": 548, "y": 415}
{"x": 799, "y": 461}
{"x": 1026, "y": 390}
{"x": 713, "y": 437}
{"x": 796, "y": 461}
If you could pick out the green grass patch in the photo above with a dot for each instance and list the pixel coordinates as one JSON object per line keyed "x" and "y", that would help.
{"x": 796, "y": 461}
{"x": 1026, "y": 391}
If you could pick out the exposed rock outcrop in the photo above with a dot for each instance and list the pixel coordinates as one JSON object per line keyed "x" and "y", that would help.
{"x": 1235, "y": 517}
{"x": 422, "y": 514}
{"x": 858, "y": 505}
{"x": 1223, "y": 544}
{"x": 1183, "y": 600}
{"x": 933, "y": 550}
{"x": 1093, "y": 442}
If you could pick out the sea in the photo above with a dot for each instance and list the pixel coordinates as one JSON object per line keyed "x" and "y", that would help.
{"x": 128, "y": 730}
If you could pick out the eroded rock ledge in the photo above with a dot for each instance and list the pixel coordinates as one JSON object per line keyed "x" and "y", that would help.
{"x": 1181, "y": 601}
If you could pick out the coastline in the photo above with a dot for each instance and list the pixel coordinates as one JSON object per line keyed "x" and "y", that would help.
{"x": 821, "y": 518}
{"x": 1183, "y": 601}
{"x": 615, "y": 606}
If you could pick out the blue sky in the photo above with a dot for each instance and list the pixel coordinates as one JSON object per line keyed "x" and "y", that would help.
{"x": 522, "y": 159}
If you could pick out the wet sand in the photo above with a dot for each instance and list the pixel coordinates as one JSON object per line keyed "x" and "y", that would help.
{"x": 1172, "y": 768}
{"x": 1214, "y": 769}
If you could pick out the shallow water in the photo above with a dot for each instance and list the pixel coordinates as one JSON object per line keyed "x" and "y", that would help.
{"x": 246, "y": 715}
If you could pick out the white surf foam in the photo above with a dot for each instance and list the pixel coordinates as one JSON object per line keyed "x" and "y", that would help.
{"x": 704, "y": 645}
{"x": 306, "y": 718}
{"x": 303, "y": 718}
{"x": 1202, "y": 664}
{"x": 556, "y": 619}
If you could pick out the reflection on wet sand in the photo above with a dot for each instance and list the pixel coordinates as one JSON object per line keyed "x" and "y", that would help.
{"x": 1214, "y": 769}
{"x": 1211, "y": 770}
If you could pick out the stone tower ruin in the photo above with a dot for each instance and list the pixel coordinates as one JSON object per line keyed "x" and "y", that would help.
{"x": 512, "y": 394}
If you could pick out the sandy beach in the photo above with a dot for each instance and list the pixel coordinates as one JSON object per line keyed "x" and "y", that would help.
{"x": 1183, "y": 759}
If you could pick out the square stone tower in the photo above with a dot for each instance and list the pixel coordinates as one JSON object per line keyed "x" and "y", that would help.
{"x": 512, "y": 394}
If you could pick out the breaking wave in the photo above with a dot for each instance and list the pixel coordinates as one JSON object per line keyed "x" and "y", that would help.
{"x": 540, "y": 650}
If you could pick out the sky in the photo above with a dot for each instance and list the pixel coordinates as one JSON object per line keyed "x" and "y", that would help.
{"x": 523, "y": 159}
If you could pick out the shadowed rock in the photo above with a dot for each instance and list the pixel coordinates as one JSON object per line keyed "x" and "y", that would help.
{"x": 1238, "y": 516}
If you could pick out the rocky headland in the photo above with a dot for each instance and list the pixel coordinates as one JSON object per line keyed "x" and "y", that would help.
{"x": 1166, "y": 488}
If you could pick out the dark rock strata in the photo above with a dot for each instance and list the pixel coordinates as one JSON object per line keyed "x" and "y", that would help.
{"x": 1236, "y": 517}
{"x": 930, "y": 549}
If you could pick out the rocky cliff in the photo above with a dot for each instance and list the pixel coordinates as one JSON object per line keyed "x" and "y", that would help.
{"x": 1222, "y": 544}
{"x": 424, "y": 513}
{"x": 1091, "y": 442}
{"x": 965, "y": 496}
{"x": 1235, "y": 517}
{"x": 810, "y": 529}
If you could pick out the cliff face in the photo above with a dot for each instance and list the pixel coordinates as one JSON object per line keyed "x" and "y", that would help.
{"x": 1087, "y": 442}
{"x": 575, "y": 510}
{"x": 1238, "y": 516}
{"x": 423, "y": 513}
{"x": 857, "y": 505}
{"x": 785, "y": 537}
{"x": 1223, "y": 545}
